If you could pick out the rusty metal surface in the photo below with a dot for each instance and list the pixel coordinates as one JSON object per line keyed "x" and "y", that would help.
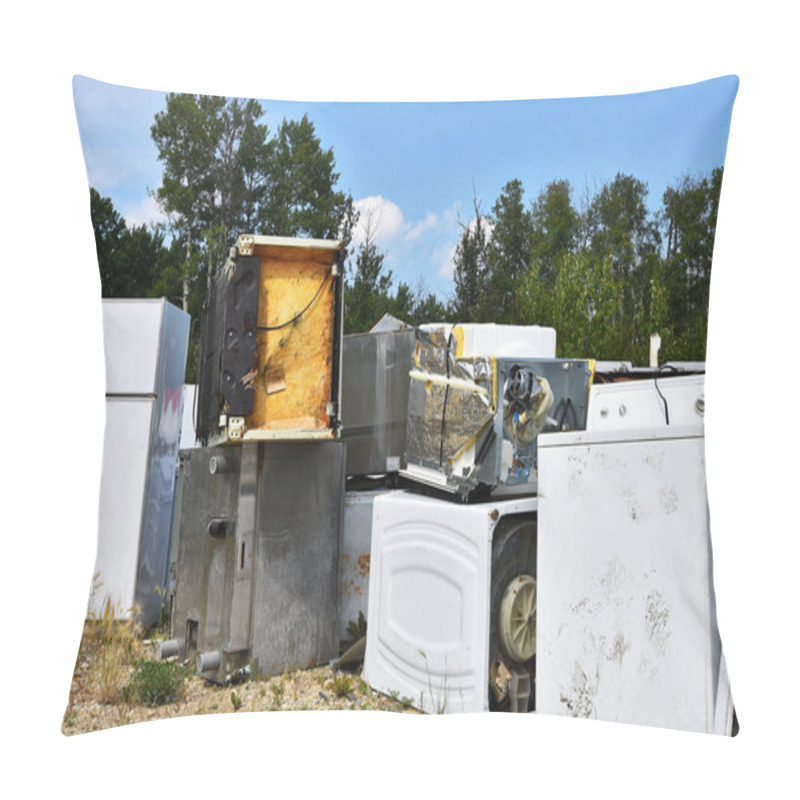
{"x": 355, "y": 558}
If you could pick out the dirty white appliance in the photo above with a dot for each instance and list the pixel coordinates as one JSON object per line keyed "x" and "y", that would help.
{"x": 355, "y": 558}
{"x": 145, "y": 344}
{"x": 445, "y": 581}
{"x": 626, "y": 616}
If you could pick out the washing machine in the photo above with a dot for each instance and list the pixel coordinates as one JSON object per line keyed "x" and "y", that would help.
{"x": 451, "y": 623}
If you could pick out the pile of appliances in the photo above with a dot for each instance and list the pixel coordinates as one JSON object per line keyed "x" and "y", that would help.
{"x": 520, "y": 532}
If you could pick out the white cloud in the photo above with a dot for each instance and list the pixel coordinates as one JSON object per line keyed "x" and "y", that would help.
{"x": 430, "y": 222}
{"x": 444, "y": 257}
{"x": 382, "y": 217}
{"x": 145, "y": 213}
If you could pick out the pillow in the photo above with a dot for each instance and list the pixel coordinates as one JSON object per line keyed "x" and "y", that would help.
{"x": 559, "y": 561}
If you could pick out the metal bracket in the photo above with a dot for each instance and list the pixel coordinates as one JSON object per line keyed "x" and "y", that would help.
{"x": 245, "y": 244}
{"x": 236, "y": 427}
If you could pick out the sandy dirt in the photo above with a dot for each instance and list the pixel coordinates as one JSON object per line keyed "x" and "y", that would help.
{"x": 318, "y": 688}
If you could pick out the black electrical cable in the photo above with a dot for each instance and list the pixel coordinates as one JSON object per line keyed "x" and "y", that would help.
{"x": 299, "y": 313}
{"x": 446, "y": 392}
{"x": 564, "y": 414}
{"x": 663, "y": 399}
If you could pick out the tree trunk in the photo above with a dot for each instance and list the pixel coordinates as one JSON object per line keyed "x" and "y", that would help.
{"x": 186, "y": 270}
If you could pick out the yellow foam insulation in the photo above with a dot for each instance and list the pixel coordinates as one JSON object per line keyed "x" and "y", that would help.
{"x": 293, "y": 385}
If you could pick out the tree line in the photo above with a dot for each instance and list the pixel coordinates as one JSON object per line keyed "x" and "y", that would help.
{"x": 605, "y": 276}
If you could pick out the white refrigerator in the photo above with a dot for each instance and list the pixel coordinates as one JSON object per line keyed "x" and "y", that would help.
{"x": 145, "y": 344}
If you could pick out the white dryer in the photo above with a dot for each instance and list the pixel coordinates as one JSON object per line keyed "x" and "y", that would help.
{"x": 452, "y": 596}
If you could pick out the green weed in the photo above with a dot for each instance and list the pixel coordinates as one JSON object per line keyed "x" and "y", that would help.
{"x": 157, "y": 682}
{"x": 342, "y": 685}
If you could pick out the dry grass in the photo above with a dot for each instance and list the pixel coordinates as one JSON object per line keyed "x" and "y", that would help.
{"x": 104, "y": 692}
{"x": 111, "y": 642}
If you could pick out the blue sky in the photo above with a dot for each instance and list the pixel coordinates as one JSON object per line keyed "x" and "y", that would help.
{"x": 413, "y": 166}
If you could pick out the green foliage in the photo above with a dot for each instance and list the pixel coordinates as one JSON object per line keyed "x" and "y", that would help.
{"x": 367, "y": 296}
{"x": 690, "y": 218}
{"x": 342, "y": 685}
{"x": 300, "y": 179}
{"x": 605, "y": 277}
{"x": 602, "y": 277}
{"x": 555, "y": 228}
{"x": 157, "y": 682}
{"x": 508, "y": 254}
{"x": 357, "y": 630}
{"x": 277, "y": 693}
{"x": 470, "y": 269}
{"x": 223, "y": 175}
{"x": 236, "y": 701}
{"x": 130, "y": 259}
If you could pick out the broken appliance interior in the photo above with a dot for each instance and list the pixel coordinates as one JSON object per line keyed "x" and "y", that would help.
{"x": 474, "y": 416}
{"x": 271, "y": 343}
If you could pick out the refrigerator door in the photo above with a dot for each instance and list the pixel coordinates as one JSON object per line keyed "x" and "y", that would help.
{"x": 627, "y": 627}
{"x": 125, "y": 459}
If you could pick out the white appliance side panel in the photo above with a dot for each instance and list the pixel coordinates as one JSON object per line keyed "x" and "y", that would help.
{"x": 428, "y": 622}
{"x": 122, "y": 484}
{"x": 188, "y": 438}
{"x": 626, "y": 621}
{"x": 630, "y": 405}
{"x": 131, "y": 337}
{"x": 510, "y": 341}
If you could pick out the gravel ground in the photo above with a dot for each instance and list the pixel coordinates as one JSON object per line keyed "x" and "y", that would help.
{"x": 318, "y": 688}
